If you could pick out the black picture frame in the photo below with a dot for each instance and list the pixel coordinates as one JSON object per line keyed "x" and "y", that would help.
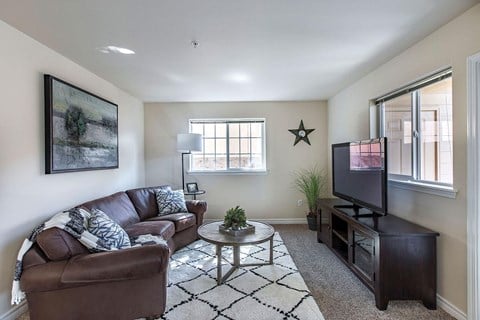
{"x": 192, "y": 187}
{"x": 81, "y": 129}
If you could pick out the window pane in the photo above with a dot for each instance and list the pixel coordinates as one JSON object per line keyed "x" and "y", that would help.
{"x": 256, "y": 129}
{"x": 234, "y": 129}
{"x": 257, "y": 161}
{"x": 245, "y": 161}
{"x": 436, "y": 136}
{"x": 221, "y": 162}
{"x": 245, "y": 129}
{"x": 209, "y": 163}
{"x": 257, "y": 145}
{"x": 398, "y": 130}
{"x": 197, "y": 162}
{"x": 209, "y": 146}
{"x": 197, "y": 128}
{"x": 221, "y": 130}
{"x": 221, "y": 146}
{"x": 234, "y": 145}
{"x": 209, "y": 130}
{"x": 244, "y": 145}
{"x": 234, "y": 161}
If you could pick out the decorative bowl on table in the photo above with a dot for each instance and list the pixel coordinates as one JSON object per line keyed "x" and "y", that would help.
{"x": 240, "y": 231}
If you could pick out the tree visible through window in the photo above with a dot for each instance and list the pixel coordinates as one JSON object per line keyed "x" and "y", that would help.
{"x": 417, "y": 121}
{"x": 229, "y": 145}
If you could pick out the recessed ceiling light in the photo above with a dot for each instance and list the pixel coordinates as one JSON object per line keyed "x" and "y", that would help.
{"x": 239, "y": 77}
{"x": 115, "y": 49}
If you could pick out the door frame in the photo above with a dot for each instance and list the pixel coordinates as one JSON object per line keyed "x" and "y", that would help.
{"x": 473, "y": 187}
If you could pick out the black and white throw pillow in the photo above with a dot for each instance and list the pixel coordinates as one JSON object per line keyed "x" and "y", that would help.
{"x": 170, "y": 201}
{"x": 109, "y": 233}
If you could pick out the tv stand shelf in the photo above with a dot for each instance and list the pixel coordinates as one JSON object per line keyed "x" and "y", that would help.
{"x": 342, "y": 236}
{"x": 394, "y": 258}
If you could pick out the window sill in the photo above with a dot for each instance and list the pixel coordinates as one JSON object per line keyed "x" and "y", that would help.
{"x": 442, "y": 191}
{"x": 230, "y": 173}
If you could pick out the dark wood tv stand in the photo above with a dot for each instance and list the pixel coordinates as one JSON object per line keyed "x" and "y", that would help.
{"x": 394, "y": 258}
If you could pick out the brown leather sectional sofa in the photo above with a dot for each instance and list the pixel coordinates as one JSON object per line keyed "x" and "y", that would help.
{"x": 63, "y": 280}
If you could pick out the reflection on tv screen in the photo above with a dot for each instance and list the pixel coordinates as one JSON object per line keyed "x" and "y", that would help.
{"x": 366, "y": 155}
{"x": 359, "y": 173}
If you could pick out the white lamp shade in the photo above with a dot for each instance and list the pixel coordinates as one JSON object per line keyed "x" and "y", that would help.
{"x": 187, "y": 142}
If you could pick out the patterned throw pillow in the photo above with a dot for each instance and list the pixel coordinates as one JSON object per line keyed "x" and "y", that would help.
{"x": 110, "y": 235}
{"x": 170, "y": 201}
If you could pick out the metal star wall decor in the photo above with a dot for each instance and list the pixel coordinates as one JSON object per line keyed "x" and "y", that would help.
{"x": 301, "y": 133}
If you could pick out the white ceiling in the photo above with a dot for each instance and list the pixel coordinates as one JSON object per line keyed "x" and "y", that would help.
{"x": 250, "y": 50}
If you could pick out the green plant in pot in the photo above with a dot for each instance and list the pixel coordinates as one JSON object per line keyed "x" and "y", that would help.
{"x": 312, "y": 183}
{"x": 235, "y": 218}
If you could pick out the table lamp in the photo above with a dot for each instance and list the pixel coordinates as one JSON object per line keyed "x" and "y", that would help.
{"x": 186, "y": 143}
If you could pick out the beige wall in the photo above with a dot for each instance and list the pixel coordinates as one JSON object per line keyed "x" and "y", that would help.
{"x": 349, "y": 119}
{"x": 268, "y": 196}
{"x": 27, "y": 195}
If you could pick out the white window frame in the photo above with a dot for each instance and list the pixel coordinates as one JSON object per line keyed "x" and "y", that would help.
{"x": 413, "y": 181}
{"x": 473, "y": 187}
{"x": 229, "y": 170}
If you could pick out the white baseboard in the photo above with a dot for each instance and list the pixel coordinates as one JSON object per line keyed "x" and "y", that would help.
{"x": 272, "y": 221}
{"x": 449, "y": 308}
{"x": 15, "y": 312}
{"x": 284, "y": 221}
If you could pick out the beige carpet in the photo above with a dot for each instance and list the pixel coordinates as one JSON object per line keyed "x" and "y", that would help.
{"x": 338, "y": 293}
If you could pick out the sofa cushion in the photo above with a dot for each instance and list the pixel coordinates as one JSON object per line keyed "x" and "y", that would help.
{"x": 170, "y": 201}
{"x": 58, "y": 245}
{"x": 145, "y": 201}
{"x": 110, "y": 234}
{"x": 166, "y": 229}
{"x": 117, "y": 206}
{"x": 181, "y": 220}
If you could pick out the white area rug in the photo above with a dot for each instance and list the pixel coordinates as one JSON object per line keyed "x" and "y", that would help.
{"x": 262, "y": 292}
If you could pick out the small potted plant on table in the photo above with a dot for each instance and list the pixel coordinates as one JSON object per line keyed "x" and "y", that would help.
{"x": 235, "y": 222}
{"x": 312, "y": 183}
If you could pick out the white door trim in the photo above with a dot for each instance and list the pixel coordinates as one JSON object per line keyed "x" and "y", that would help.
{"x": 473, "y": 187}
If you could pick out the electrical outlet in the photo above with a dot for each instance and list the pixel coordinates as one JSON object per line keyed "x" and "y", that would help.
{"x": 299, "y": 203}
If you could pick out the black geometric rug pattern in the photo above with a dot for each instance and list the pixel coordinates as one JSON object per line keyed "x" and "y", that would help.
{"x": 275, "y": 291}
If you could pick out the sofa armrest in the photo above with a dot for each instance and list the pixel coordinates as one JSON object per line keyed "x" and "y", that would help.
{"x": 125, "y": 264}
{"x": 197, "y": 207}
{"x": 43, "y": 277}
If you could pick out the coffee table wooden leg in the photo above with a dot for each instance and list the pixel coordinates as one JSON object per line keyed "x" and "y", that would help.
{"x": 271, "y": 250}
{"x": 219, "y": 264}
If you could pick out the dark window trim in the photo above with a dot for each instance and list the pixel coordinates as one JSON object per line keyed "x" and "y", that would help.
{"x": 414, "y": 86}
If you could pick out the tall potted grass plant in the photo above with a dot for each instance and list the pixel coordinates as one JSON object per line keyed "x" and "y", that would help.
{"x": 313, "y": 184}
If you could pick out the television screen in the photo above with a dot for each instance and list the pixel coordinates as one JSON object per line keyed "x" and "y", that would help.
{"x": 359, "y": 173}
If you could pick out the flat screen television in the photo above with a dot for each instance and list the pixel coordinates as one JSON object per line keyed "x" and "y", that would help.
{"x": 360, "y": 174}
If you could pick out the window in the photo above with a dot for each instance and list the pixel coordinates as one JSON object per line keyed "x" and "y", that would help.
{"x": 229, "y": 145}
{"x": 417, "y": 120}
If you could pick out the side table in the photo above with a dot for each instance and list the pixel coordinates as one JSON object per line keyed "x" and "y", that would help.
{"x": 194, "y": 194}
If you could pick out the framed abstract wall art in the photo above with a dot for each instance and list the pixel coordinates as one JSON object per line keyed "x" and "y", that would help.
{"x": 81, "y": 129}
